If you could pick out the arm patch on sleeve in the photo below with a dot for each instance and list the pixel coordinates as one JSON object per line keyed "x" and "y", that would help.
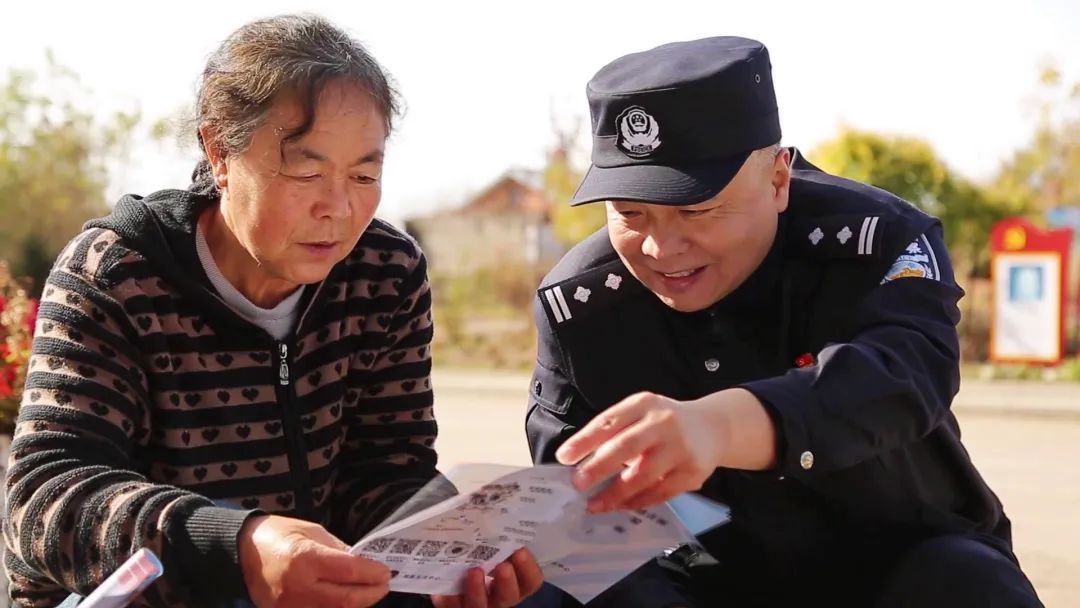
{"x": 918, "y": 261}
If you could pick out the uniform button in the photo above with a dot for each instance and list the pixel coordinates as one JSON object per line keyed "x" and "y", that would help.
{"x": 712, "y": 364}
{"x": 806, "y": 460}
{"x": 537, "y": 387}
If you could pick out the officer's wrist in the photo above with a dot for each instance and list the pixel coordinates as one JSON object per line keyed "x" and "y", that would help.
{"x": 745, "y": 430}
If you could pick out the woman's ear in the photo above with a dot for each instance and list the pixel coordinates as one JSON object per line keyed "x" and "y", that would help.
{"x": 218, "y": 160}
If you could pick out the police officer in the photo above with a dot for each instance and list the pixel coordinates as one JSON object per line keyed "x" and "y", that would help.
{"x": 777, "y": 338}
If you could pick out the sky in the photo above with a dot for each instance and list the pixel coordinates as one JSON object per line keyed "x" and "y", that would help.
{"x": 485, "y": 82}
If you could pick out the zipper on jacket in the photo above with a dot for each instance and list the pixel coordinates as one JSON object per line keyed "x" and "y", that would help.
{"x": 294, "y": 436}
{"x": 283, "y": 364}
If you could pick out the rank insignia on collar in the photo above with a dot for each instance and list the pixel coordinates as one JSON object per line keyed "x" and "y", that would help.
{"x": 844, "y": 235}
{"x": 557, "y": 302}
{"x": 866, "y": 235}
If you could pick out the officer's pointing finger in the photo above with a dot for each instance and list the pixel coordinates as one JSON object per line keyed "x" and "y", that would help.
{"x": 669, "y": 488}
{"x": 644, "y": 473}
{"x": 603, "y": 427}
{"x": 611, "y": 457}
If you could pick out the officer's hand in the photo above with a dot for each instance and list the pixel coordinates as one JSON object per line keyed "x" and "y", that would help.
{"x": 661, "y": 448}
{"x": 288, "y": 562}
{"x": 514, "y": 580}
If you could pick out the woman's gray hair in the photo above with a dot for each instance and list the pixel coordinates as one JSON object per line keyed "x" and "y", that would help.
{"x": 266, "y": 59}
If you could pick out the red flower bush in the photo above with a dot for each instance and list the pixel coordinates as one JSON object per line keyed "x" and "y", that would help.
{"x": 18, "y": 314}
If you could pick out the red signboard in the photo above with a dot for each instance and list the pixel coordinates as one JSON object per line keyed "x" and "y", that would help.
{"x": 1028, "y": 269}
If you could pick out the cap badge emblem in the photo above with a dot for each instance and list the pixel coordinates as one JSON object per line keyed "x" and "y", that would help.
{"x": 638, "y": 132}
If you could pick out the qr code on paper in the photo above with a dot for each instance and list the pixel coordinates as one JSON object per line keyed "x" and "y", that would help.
{"x": 431, "y": 548}
{"x": 404, "y": 546}
{"x": 484, "y": 552}
{"x": 458, "y": 549}
{"x": 378, "y": 545}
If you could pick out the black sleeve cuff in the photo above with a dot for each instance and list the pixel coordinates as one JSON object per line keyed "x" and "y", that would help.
{"x": 205, "y": 542}
{"x": 786, "y": 400}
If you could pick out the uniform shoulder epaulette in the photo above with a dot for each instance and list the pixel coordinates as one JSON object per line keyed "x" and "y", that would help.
{"x": 840, "y": 236}
{"x": 588, "y": 293}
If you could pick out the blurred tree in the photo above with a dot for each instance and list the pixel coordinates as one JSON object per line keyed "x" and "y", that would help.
{"x": 36, "y": 258}
{"x": 54, "y": 164}
{"x": 911, "y": 169}
{"x": 561, "y": 179}
{"x": 1045, "y": 173}
{"x": 905, "y": 166}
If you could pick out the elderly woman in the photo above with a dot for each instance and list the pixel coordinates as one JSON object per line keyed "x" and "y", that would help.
{"x": 236, "y": 376}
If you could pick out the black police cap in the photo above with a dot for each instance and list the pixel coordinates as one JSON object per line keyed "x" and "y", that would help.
{"x": 674, "y": 124}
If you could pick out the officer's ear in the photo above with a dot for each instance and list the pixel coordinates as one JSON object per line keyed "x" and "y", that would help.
{"x": 780, "y": 179}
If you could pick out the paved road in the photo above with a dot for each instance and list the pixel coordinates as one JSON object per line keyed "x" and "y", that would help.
{"x": 1024, "y": 437}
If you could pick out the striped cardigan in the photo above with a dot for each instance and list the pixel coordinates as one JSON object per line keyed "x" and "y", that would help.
{"x": 154, "y": 416}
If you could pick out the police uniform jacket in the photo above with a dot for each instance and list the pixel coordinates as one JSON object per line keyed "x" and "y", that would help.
{"x": 847, "y": 335}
